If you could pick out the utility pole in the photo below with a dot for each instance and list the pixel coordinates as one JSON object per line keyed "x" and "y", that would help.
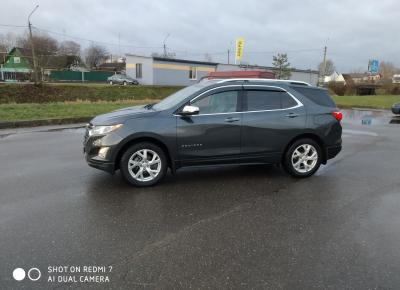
{"x": 229, "y": 52}
{"x": 35, "y": 71}
{"x": 324, "y": 65}
{"x": 165, "y": 46}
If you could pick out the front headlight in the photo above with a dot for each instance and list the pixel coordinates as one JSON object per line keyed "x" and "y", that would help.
{"x": 101, "y": 130}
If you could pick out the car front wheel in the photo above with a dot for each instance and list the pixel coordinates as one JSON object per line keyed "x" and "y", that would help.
{"x": 303, "y": 158}
{"x": 111, "y": 83}
{"x": 124, "y": 83}
{"x": 143, "y": 164}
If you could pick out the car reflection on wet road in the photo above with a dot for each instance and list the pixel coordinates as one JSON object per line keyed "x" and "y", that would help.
{"x": 219, "y": 227}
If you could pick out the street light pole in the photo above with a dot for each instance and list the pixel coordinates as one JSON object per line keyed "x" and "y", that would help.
{"x": 165, "y": 46}
{"x": 35, "y": 72}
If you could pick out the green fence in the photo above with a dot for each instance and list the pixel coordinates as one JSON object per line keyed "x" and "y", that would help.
{"x": 77, "y": 76}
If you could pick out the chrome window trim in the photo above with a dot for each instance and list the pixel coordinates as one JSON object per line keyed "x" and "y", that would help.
{"x": 299, "y": 104}
{"x": 213, "y": 89}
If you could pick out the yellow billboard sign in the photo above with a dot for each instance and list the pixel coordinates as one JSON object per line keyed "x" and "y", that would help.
{"x": 239, "y": 48}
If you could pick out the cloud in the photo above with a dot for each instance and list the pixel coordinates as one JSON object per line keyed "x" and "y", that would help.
{"x": 354, "y": 31}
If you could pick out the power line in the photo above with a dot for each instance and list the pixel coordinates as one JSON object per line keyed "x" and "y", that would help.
{"x": 12, "y": 25}
{"x": 94, "y": 41}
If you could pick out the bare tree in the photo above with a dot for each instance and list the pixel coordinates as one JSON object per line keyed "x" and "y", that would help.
{"x": 46, "y": 48}
{"x": 281, "y": 66}
{"x": 95, "y": 55}
{"x": 45, "y": 45}
{"x": 387, "y": 70}
{"x": 69, "y": 47}
{"x": 7, "y": 41}
{"x": 329, "y": 68}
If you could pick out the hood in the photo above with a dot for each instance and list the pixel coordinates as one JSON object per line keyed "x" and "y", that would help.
{"x": 121, "y": 115}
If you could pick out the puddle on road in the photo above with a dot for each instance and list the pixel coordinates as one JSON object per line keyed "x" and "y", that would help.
{"x": 370, "y": 117}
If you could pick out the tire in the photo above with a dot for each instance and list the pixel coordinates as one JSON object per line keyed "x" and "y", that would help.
{"x": 124, "y": 83}
{"x": 111, "y": 83}
{"x": 133, "y": 163}
{"x": 302, "y": 164}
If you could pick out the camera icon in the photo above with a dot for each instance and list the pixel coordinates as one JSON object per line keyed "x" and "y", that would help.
{"x": 33, "y": 274}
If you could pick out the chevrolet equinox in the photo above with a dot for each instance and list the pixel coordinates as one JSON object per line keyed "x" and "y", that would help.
{"x": 230, "y": 121}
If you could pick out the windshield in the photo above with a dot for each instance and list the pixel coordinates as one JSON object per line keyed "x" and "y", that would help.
{"x": 174, "y": 99}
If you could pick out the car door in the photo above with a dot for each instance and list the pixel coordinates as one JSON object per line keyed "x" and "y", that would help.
{"x": 271, "y": 118}
{"x": 213, "y": 134}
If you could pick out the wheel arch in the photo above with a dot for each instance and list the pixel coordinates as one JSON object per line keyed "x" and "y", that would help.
{"x": 312, "y": 136}
{"x": 139, "y": 139}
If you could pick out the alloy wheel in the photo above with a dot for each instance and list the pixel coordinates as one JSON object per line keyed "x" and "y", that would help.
{"x": 304, "y": 158}
{"x": 144, "y": 165}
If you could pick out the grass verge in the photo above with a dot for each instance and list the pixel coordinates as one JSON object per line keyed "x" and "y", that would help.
{"x": 23, "y": 112}
{"x": 373, "y": 102}
{"x": 53, "y": 93}
{"x": 77, "y": 109}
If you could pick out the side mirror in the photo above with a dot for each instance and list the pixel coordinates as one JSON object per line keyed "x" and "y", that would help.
{"x": 190, "y": 110}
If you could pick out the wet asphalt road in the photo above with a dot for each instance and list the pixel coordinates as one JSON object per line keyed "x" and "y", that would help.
{"x": 221, "y": 227}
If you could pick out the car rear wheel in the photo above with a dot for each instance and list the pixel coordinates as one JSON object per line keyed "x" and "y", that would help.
{"x": 303, "y": 158}
{"x": 124, "y": 83}
{"x": 111, "y": 83}
{"x": 143, "y": 164}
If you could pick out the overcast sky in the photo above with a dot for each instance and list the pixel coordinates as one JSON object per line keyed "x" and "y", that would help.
{"x": 354, "y": 31}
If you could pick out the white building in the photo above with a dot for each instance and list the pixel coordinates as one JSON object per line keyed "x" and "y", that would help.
{"x": 181, "y": 72}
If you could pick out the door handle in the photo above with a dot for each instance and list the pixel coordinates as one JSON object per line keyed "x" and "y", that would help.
{"x": 231, "y": 119}
{"x": 292, "y": 115}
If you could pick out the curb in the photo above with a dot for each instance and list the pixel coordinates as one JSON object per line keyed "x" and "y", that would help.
{"x": 43, "y": 122}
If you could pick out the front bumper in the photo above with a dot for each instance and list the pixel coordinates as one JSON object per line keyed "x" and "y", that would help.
{"x": 102, "y": 165}
{"x": 91, "y": 150}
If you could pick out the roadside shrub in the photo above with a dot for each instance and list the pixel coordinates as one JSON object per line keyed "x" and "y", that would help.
{"x": 395, "y": 90}
{"x": 337, "y": 88}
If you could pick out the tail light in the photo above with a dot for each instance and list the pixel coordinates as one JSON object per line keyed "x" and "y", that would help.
{"x": 337, "y": 115}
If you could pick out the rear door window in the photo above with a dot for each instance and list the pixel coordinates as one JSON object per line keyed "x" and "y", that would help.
{"x": 260, "y": 100}
{"x": 318, "y": 96}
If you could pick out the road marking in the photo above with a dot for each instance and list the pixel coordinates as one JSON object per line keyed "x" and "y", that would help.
{"x": 357, "y": 132}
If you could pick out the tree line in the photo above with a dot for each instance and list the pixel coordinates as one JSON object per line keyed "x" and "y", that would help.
{"x": 47, "y": 47}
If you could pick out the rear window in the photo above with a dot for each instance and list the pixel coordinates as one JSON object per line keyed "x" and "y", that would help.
{"x": 320, "y": 97}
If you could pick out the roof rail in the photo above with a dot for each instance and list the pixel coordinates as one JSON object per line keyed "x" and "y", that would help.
{"x": 293, "y": 82}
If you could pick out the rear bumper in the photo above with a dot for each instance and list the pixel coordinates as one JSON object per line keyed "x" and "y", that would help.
{"x": 332, "y": 151}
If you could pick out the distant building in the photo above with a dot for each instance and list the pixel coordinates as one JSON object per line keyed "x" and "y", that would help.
{"x": 180, "y": 72}
{"x": 117, "y": 67}
{"x": 241, "y": 74}
{"x": 396, "y": 79}
{"x": 309, "y": 76}
{"x": 363, "y": 83}
{"x": 358, "y": 78}
{"x": 166, "y": 71}
{"x": 17, "y": 65}
{"x": 334, "y": 77}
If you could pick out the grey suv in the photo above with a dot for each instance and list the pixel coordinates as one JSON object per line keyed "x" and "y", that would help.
{"x": 231, "y": 121}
